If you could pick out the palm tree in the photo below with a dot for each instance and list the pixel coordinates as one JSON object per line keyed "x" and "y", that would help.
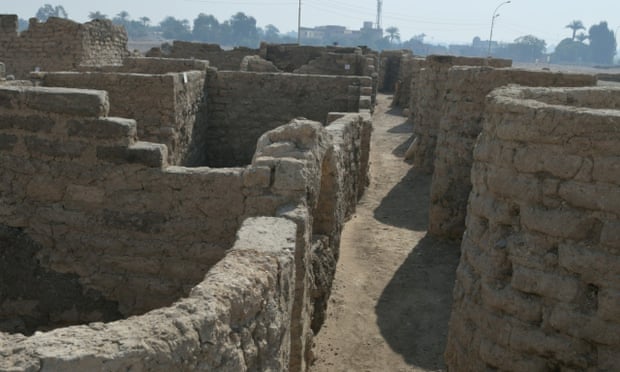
{"x": 581, "y": 37}
{"x": 394, "y": 33}
{"x": 123, "y": 16}
{"x": 97, "y": 15}
{"x": 145, "y": 21}
{"x": 575, "y": 26}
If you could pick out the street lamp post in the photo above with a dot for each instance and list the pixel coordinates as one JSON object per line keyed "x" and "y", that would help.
{"x": 495, "y": 15}
{"x": 299, "y": 25}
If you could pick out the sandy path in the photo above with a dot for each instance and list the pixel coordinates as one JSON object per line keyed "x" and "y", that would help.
{"x": 390, "y": 305}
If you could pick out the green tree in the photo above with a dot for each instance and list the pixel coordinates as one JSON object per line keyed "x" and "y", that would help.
{"x": 47, "y": 11}
{"x": 528, "y": 48}
{"x": 575, "y": 26}
{"x": 581, "y": 37}
{"x": 97, "y": 15}
{"x": 602, "y": 44}
{"x": 393, "y": 34}
{"x": 571, "y": 51}
{"x": 22, "y": 25}
{"x": 244, "y": 31}
{"x": 122, "y": 18}
{"x": 271, "y": 33}
{"x": 175, "y": 29}
{"x": 206, "y": 28}
{"x": 145, "y": 21}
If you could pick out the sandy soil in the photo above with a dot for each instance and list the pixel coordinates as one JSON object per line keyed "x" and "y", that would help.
{"x": 390, "y": 306}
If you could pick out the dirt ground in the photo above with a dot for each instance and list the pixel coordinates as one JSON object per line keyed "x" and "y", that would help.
{"x": 390, "y": 305}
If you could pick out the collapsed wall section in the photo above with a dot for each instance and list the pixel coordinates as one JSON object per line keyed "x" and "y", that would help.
{"x": 426, "y": 110}
{"x": 173, "y": 112}
{"x": 60, "y": 45}
{"x": 238, "y": 116}
{"x": 460, "y": 124}
{"x": 538, "y": 284}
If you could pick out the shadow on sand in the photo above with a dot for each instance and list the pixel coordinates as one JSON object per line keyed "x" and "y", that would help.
{"x": 414, "y": 187}
{"x": 414, "y": 309}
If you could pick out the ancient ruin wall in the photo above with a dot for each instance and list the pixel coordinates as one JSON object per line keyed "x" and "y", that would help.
{"x": 389, "y": 62}
{"x": 538, "y": 285}
{"x": 98, "y": 204}
{"x": 228, "y": 60}
{"x": 60, "y": 45}
{"x": 430, "y": 95}
{"x": 238, "y": 116}
{"x": 238, "y": 318}
{"x": 151, "y": 66}
{"x": 459, "y": 126}
{"x": 107, "y": 211}
{"x": 408, "y": 75}
{"x": 173, "y": 112}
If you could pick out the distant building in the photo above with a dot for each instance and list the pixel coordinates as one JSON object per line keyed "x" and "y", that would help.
{"x": 339, "y": 34}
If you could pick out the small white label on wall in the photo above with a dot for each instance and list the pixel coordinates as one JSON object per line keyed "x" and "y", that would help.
{"x": 347, "y": 67}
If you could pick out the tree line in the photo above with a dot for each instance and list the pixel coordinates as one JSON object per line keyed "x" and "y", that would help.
{"x": 598, "y": 46}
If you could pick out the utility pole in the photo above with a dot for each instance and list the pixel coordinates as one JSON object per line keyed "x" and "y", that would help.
{"x": 299, "y": 25}
{"x": 379, "y": 13}
{"x": 495, "y": 15}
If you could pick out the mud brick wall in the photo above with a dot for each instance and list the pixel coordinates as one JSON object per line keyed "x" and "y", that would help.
{"x": 60, "y": 45}
{"x": 243, "y": 106}
{"x": 335, "y": 64}
{"x": 431, "y": 92}
{"x": 238, "y": 318}
{"x": 317, "y": 174}
{"x": 389, "y": 69}
{"x": 290, "y": 57}
{"x": 460, "y": 124}
{"x": 100, "y": 205}
{"x": 408, "y": 75}
{"x": 115, "y": 231}
{"x": 538, "y": 284}
{"x": 151, "y": 66}
{"x": 228, "y": 60}
{"x": 173, "y": 112}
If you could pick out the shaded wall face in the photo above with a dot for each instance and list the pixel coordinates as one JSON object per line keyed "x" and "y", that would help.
{"x": 242, "y": 106}
{"x": 460, "y": 124}
{"x": 33, "y": 297}
{"x": 537, "y": 285}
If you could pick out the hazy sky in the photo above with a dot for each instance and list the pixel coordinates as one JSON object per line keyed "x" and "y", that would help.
{"x": 443, "y": 21}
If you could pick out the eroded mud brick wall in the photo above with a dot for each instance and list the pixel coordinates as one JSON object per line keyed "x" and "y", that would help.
{"x": 98, "y": 204}
{"x": 243, "y": 106}
{"x": 169, "y": 108}
{"x": 408, "y": 75}
{"x": 389, "y": 70}
{"x": 237, "y": 319}
{"x": 460, "y": 124}
{"x": 59, "y": 45}
{"x": 430, "y": 95}
{"x": 151, "y": 66}
{"x": 538, "y": 284}
{"x": 290, "y": 57}
{"x": 229, "y": 60}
